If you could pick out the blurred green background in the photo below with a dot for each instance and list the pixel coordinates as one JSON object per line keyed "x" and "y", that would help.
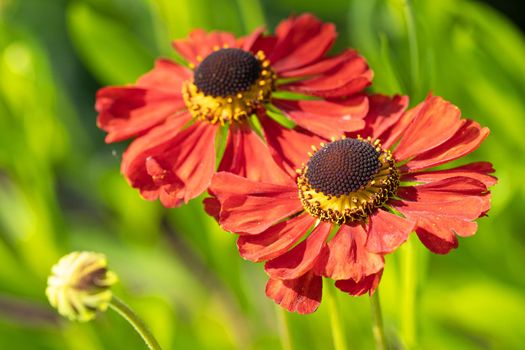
{"x": 60, "y": 187}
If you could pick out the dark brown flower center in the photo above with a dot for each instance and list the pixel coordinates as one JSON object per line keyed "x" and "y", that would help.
{"x": 227, "y": 72}
{"x": 346, "y": 180}
{"x": 342, "y": 167}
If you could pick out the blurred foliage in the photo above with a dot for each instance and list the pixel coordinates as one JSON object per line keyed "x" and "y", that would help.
{"x": 60, "y": 189}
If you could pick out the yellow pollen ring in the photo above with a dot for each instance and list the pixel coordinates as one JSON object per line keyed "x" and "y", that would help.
{"x": 353, "y": 206}
{"x": 234, "y": 108}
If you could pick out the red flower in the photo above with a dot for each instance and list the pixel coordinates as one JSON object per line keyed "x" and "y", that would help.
{"x": 175, "y": 112}
{"x": 373, "y": 191}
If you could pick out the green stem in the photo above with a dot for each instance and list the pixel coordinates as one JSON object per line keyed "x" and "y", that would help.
{"x": 252, "y": 14}
{"x": 139, "y": 325}
{"x": 377, "y": 322}
{"x": 284, "y": 330}
{"x": 413, "y": 47}
{"x": 338, "y": 334}
{"x": 408, "y": 271}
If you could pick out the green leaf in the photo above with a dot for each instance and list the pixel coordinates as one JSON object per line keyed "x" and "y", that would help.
{"x": 107, "y": 48}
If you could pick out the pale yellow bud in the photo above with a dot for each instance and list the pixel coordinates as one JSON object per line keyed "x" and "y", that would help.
{"x": 79, "y": 285}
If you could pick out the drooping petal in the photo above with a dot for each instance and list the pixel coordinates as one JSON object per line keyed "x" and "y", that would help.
{"x": 129, "y": 111}
{"x": 152, "y": 142}
{"x": 167, "y": 76}
{"x": 366, "y": 285}
{"x": 250, "y": 207}
{"x": 289, "y": 146}
{"x": 301, "y": 295}
{"x": 448, "y": 189}
{"x": 125, "y": 112}
{"x": 320, "y": 67}
{"x": 436, "y": 122}
{"x": 466, "y": 140}
{"x": 301, "y": 258}
{"x": 383, "y": 113}
{"x": 178, "y": 166}
{"x": 348, "y": 78}
{"x": 200, "y": 44}
{"x": 347, "y": 256}
{"x": 442, "y": 215}
{"x": 457, "y": 188}
{"x": 194, "y": 162}
{"x": 438, "y": 233}
{"x": 386, "y": 232}
{"x": 326, "y": 118}
{"x": 480, "y": 171}
{"x": 212, "y": 207}
{"x": 468, "y": 208}
{"x": 276, "y": 240}
{"x": 167, "y": 187}
{"x": 246, "y": 155}
{"x": 301, "y": 41}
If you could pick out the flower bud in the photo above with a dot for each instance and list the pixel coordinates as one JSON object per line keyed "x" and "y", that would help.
{"x": 79, "y": 285}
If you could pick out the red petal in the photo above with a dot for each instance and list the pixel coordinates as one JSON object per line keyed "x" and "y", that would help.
{"x": 346, "y": 79}
{"x": 449, "y": 189}
{"x": 128, "y": 111}
{"x": 246, "y": 155}
{"x": 150, "y": 162}
{"x": 326, "y": 118}
{"x": 386, "y": 232}
{"x": 347, "y": 256}
{"x": 467, "y": 208}
{"x": 301, "y": 41}
{"x": 392, "y": 135}
{"x": 153, "y": 140}
{"x": 202, "y": 44}
{"x": 444, "y": 227}
{"x": 212, "y": 206}
{"x": 443, "y": 208}
{"x": 276, "y": 240}
{"x": 289, "y": 146}
{"x": 221, "y": 39}
{"x": 302, "y": 258}
{"x": 301, "y": 295}
{"x": 134, "y": 165}
{"x": 251, "y": 207}
{"x": 366, "y": 285}
{"x": 321, "y": 66}
{"x": 167, "y": 185}
{"x": 436, "y": 122}
{"x": 479, "y": 171}
{"x": 194, "y": 161}
{"x": 383, "y": 113}
{"x": 248, "y": 42}
{"x": 263, "y": 43}
{"x": 166, "y": 75}
{"x": 437, "y": 236}
{"x": 466, "y": 140}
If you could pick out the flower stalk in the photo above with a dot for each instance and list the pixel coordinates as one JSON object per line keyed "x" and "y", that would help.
{"x": 408, "y": 318}
{"x": 140, "y": 327}
{"x": 377, "y": 322}
{"x": 336, "y": 323}
{"x": 284, "y": 330}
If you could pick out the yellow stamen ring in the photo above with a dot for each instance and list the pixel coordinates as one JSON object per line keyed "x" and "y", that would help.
{"x": 233, "y": 108}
